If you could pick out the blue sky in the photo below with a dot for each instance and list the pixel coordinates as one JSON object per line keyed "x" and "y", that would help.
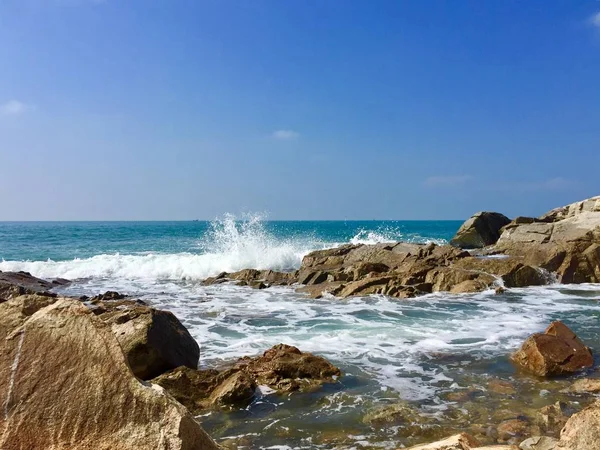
{"x": 184, "y": 109}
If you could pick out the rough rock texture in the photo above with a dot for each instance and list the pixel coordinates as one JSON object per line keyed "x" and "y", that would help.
{"x": 582, "y": 431}
{"x": 283, "y": 368}
{"x": 563, "y": 244}
{"x": 65, "y": 384}
{"x": 565, "y": 241}
{"x": 461, "y": 441}
{"x": 585, "y": 386}
{"x": 481, "y": 230}
{"x": 556, "y": 351}
{"x": 539, "y": 443}
{"x": 13, "y": 284}
{"x": 153, "y": 341}
{"x": 202, "y": 389}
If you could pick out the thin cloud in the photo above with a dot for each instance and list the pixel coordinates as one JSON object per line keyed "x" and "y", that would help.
{"x": 14, "y": 108}
{"x": 285, "y": 135}
{"x": 595, "y": 20}
{"x": 447, "y": 181}
{"x": 551, "y": 184}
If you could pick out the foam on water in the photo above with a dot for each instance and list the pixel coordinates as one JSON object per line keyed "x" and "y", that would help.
{"x": 229, "y": 245}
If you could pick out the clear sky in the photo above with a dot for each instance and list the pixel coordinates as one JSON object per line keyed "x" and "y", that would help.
{"x": 305, "y": 109}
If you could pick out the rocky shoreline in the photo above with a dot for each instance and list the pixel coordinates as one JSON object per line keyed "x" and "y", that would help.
{"x": 488, "y": 252}
{"x": 111, "y": 372}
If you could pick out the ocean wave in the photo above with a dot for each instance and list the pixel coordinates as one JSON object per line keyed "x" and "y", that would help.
{"x": 230, "y": 244}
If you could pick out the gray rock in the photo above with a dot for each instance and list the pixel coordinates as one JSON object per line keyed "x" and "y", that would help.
{"x": 480, "y": 230}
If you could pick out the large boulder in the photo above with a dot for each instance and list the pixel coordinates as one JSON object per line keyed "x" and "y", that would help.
{"x": 556, "y": 351}
{"x": 565, "y": 241}
{"x": 481, "y": 230}
{"x": 582, "y": 430}
{"x": 65, "y": 384}
{"x": 153, "y": 341}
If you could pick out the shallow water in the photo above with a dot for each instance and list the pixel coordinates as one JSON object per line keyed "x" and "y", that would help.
{"x": 436, "y": 355}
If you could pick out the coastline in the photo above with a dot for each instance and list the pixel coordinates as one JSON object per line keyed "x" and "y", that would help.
{"x": 474, "y": 393}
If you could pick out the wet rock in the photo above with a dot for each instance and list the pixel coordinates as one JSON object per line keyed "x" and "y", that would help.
{"x": 318, "y": 290}
{"x": 108, "y": 295}
{"x": 153, "y": 341}
{"x": 481, "y": 230}
{"x": 468, "y": 286}
{"x": 499, "y": 290}
{"x": 285, "y": 369}
{"x": 585, "y": 385}
{"x": 395, "y": 414}
{"x": 501, "y": 387}
{"x": 198, "y": 390}
{"x": 513, "y": 430}
{"x": 539, "y": 443}
{"x": 556, "y": 351}
{"x": 582, "y": 430}
{"x": 461, "y": 441}
{"x": 553, "y": 417}
{"x": 65, "y": 383}
{"x": 13, "y": 284}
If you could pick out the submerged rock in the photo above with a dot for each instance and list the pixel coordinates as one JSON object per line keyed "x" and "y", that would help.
{"x": 461, "y": 441}
{"x": 282, "y": 368}
{"x": 153, "y": 341}
{"x": 539, "y": 443}
{"x": 556, "y": 351}
{"x": 585, "y": 385}
{"x": 65, "y": 383}
{"x": 481, "y": 230}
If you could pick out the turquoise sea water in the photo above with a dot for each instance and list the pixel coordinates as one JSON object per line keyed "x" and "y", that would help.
{"x": 68, "y": 240}
{"x": 415, "y": 351}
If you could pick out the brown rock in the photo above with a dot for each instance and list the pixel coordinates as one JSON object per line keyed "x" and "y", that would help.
{"x": 285, "y": 368}
{"x": 153, "y": 341}
{"x": 557, "y": 351}
{"x": 198, "y": 390}
{"x": 65, "y": 384}
{"x": 513, "y": 430}
{"x": 582, "y": 430}
{"x": 586, "y": 385}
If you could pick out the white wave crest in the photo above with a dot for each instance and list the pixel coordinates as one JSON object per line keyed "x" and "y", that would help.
{"x": 228, "y": 246}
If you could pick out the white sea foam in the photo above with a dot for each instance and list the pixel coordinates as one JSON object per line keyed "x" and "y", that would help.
{"x": 229, "y": 245}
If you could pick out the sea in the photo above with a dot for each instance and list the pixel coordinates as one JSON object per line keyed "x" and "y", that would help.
{"x": 436, "y": 355}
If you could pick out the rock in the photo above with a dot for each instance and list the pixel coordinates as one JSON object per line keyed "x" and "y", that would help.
{"x": 499, "y": 290}
{"x": 539, "y": 443}
{"x": 395, "y": 414}
{"x": 553, "y": 417}
{"x": 501, "y": 387}
{"x": 285, "y": 369}
{"x": 108, "y": 295}
{"x": 556, "y": 351}
{"x": 198, "y": 390}
{"x": 153, "y": 341}
{"x": 574, "y": 209}
{"x": 461, "y": 441}
{"x": 582, "y": 430}
{"x": 65, "y": 383}
{"x": 585, "y": 386}
{"x": 468, "y": 286}
{"x": 513, "y": 430}
{"x": 481, "y": 230}
{"x": 13, "y": 284}
{"x": 566, "y": 242}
